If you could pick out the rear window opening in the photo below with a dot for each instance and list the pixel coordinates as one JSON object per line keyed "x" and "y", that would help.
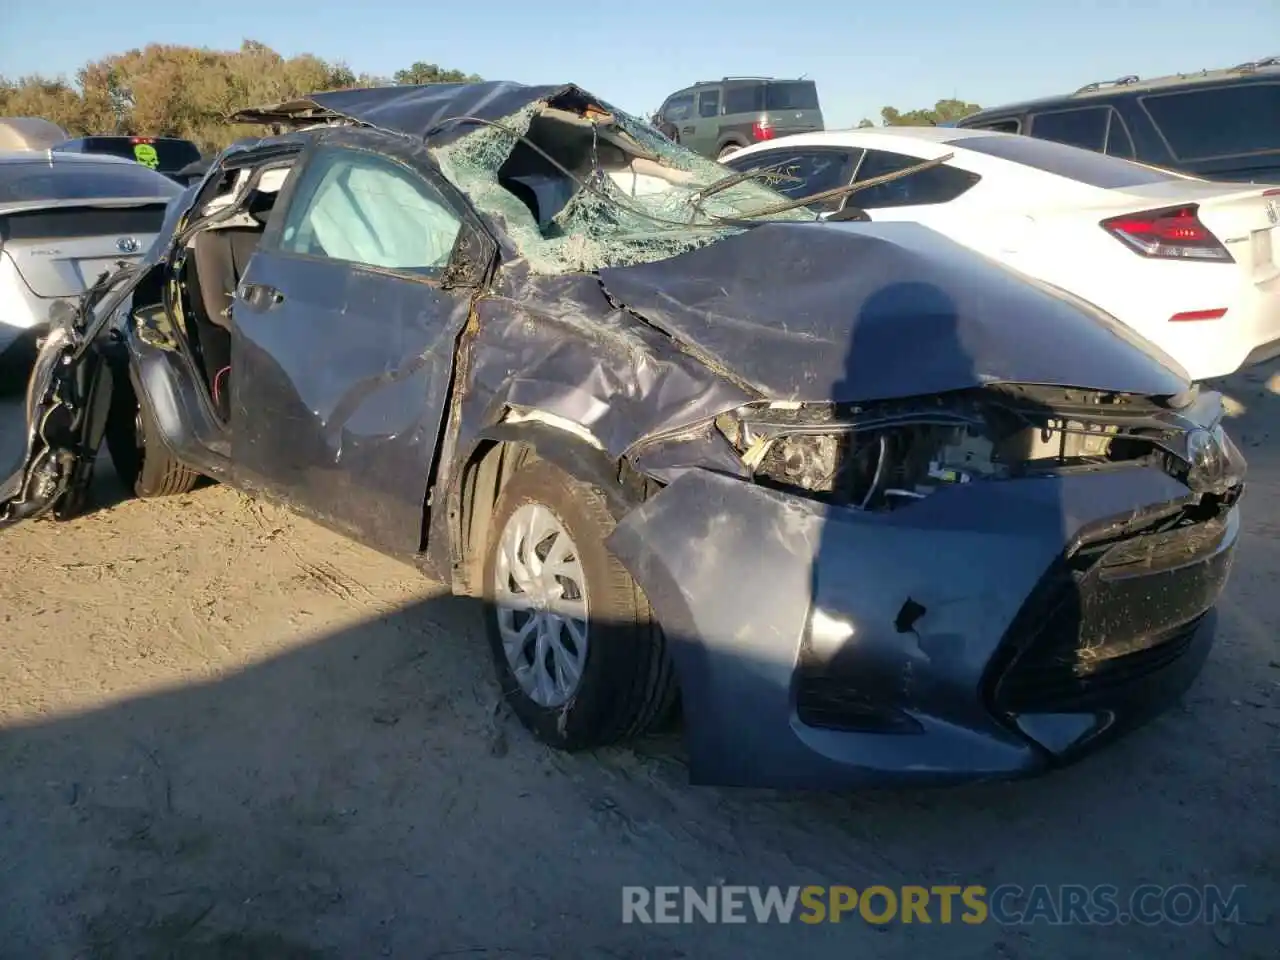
{"x": 163, "y": 154}
{"x": 1083, "y": 166}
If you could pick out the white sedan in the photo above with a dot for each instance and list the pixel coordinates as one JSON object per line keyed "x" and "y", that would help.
{"x": 1192, "y": 265}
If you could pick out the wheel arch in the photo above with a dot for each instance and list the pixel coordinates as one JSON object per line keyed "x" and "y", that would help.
{"x": 496, "y": 454}
{"x": 731, "y": 140}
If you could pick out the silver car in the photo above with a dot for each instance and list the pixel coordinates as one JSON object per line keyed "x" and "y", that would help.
{"x": 65, "y": 219}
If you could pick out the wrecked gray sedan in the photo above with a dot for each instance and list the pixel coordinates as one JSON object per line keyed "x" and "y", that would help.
{"x": 868, "y": 506}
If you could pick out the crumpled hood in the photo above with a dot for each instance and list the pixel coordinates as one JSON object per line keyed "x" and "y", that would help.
{"x": 854, "y": 312}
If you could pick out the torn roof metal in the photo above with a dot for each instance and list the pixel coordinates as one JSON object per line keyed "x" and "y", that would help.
{"x": 416, "y": 111}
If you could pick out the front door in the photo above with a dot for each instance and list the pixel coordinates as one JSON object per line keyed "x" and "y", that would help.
{"x": 343, "y": 347}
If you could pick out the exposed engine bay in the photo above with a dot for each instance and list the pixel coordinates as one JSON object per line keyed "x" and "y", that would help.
{"x": 883, "y": 457}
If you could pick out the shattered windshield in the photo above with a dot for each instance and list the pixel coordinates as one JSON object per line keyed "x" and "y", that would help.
{"x": 643, "y": 198}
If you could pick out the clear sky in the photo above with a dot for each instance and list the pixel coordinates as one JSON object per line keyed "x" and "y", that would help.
{"x": 907, "y": 53}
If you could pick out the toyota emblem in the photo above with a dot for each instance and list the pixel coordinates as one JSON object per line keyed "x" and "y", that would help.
{"x": 127, "y": 245}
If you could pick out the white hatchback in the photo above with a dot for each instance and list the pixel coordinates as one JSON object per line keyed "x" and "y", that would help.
{"x": 1192, "y": 265}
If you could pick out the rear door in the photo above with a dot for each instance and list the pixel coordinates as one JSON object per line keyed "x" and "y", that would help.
{"x": 345, "y": 326}
{"x": 48, "y": 443}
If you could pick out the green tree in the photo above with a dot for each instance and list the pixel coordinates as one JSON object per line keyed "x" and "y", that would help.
{"x": 944, "y": 111}
{"x": 430, "y": 73}
{"x": 37, "y": 96}
{"x": 179, "y": 91}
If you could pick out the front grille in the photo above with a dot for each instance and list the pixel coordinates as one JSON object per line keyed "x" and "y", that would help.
{"x": 1113, "y": 612}
{"x": 1064, "y": 676}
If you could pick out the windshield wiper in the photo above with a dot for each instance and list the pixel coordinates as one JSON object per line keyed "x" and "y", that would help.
{"x": 724, "y": 183}
{"x": 837, "y": 192}
{"x": 772, "y": 175}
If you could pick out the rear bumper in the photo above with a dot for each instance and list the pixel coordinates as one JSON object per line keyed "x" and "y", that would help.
{"x": 821, "y": 648}
{"x": 1249, "y": 332}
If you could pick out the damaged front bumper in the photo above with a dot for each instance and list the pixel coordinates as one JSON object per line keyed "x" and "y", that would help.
{"x": 990, "y": 630}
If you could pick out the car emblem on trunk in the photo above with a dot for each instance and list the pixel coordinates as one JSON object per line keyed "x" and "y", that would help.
{"x": 127, "y": 245}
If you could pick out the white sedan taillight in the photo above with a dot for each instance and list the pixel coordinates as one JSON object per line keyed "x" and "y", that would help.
{"x": 1175, "y": 233}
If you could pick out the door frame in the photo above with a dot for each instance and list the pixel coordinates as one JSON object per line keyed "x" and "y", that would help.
{"x": 466, "y": 276}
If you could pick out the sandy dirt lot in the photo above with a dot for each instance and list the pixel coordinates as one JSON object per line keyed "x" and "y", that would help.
{"x": 225, "y": 732}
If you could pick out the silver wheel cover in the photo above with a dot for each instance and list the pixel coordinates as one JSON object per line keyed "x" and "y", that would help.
{"x": 540, "y": 592}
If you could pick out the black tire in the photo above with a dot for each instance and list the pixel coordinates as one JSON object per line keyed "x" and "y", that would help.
{"x": 146, "y": 468}
{"x": 627, "y": 684}
{"x": 727, "y": 150}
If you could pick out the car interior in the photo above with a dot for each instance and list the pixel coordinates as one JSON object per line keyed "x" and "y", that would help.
{"x": 216, "y": 260}
{"x": 584, "y": 142}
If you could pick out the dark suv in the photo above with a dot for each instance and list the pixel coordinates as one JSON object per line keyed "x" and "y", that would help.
{"x": 167, "y": 155}
{"x": 716, "y": 117}
{"x": 1219, "y": 124}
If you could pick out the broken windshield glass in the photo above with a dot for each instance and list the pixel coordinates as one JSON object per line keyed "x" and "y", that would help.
{"x": 617, "y": 193}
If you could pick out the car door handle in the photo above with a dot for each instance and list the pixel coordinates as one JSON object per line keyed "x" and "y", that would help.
{"x": 687, "y": 130}
{"x": 261, "y": 296}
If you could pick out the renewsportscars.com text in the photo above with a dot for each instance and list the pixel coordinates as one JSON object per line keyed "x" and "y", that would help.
{"x": 1007, "y": 904}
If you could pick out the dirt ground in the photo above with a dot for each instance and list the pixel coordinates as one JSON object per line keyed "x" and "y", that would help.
{"x": 225, "y": 732}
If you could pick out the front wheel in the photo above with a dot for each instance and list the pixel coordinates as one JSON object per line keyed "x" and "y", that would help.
{"x": 141, "y": 460}
{"x": 728, "y": 150}
{"x": 579, "y": 657}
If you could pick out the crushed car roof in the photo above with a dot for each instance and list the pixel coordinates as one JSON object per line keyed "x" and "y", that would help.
{"x": 416, "y": 111}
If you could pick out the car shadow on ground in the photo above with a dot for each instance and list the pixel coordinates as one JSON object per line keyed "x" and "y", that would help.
{"x": 367, "y": 794}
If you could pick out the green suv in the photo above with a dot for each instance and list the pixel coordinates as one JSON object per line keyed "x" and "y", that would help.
{"x": 717, "y": 117}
